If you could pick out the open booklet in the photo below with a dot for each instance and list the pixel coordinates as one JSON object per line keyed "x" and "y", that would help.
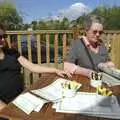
{"x": 111, "y": 71}
{"x": 53, "y": 92}
{"x": 28, "y": 103}
{"x": 88, "y": 104}
{"x": 110, "y": 80}
{"x": 35, "y": 99}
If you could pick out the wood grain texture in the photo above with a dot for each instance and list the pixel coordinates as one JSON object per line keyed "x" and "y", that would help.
{"x": 47, "y": 113}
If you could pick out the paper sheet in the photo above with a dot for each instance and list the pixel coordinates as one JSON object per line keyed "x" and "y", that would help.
{"x": 28, "y": 102}
{"x": 52, "y": 92}
{"x": 87, "y": 103}
{"x": 109, "y": 80}
{"x": 110, "y": 70}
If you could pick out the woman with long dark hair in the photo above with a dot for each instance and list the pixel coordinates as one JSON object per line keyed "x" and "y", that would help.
{"x": 11, "y": 83}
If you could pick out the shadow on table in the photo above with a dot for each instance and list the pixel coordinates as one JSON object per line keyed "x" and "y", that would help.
{"x": 1, "y": 118}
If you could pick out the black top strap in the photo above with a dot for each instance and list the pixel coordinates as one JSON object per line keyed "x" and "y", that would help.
{"x": 90, "y": 57}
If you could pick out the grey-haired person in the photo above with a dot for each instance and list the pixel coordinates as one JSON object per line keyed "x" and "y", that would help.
{"x": 88, "y": 51}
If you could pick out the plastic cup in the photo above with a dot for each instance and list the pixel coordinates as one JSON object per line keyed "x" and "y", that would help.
{"x": 95, "y": 83}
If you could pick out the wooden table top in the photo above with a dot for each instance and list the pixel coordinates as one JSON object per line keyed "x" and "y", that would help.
{"x": 47, "y": 113}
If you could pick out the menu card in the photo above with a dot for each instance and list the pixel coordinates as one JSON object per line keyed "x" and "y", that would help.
{"x": 110, "y": 80}
{"x": 110, "y": 70}
{"x": 28, "y": 103}
{"x": 88, "y": 104}
{"x": 53, "y": 92}
{"x": 35, "y": 99}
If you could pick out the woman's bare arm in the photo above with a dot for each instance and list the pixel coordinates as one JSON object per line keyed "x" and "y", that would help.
{"x": 37, "y": 68}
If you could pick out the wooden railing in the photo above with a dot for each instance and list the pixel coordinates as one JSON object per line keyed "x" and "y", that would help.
{"x": 66, "y": 35}
{"x": 43, "y": 37}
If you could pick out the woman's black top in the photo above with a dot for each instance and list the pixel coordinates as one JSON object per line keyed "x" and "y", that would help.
{"x": 11, "y": 83}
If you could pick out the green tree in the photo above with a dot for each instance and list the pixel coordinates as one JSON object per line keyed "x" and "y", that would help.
{"x": 9, "y": 16}
{"x": 25, "y": 26}
{"x": 111, "y": 16}
{"x": 65, "y": 23}
{"x": 34, "y": 25}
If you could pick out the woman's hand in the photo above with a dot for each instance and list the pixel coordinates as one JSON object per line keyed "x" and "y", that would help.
{"x": 63, "y": 73}
{"x": 109, "y": 64}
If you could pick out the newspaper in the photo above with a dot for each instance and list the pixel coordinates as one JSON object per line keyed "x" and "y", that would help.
{"x": 87, "y": 103}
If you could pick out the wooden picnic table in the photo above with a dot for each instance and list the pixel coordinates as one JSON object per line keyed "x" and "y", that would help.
{"x": 47, "y": 112}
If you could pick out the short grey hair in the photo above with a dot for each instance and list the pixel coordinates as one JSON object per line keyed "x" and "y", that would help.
{"x": 89, "y": 19}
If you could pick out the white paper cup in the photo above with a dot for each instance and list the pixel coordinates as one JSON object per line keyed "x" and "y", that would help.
{"x": 95, "y": 83}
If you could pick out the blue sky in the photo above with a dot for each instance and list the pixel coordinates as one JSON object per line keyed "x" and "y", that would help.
{"x": 41, "y": 9}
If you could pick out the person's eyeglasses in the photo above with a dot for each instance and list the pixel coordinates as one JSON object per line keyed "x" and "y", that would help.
{"x": 95, "y": 32}
{"x": 3, "y": 36}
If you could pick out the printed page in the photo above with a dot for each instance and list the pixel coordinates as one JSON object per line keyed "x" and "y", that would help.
{"x": 109, "y": 80}
{"x": 28, "y": 102}
{"x": 52, "y": 92}
{"x": 87, "y": 103}
{"x": 111, "y": 71}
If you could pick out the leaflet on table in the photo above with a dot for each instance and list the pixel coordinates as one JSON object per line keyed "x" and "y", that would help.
{"x": 87, "y": 103}
{"x": 110, "y": 80}
{"x": 28, "y": 102}
{"x": 110, "y": 70}
{"x": 52, "y": 92}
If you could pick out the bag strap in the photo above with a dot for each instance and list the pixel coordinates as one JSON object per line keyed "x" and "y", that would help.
{"x": 90, "y": 57}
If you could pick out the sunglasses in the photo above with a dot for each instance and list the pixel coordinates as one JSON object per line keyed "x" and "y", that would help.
{"x": 3, "y": 36}
{"x": 95, "y": 32}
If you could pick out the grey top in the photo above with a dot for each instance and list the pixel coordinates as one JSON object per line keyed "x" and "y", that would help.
{"x": 79, "y": 56}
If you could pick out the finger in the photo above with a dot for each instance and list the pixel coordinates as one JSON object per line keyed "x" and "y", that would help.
{"x": 60, "y": 74}
{"x": 69, "y": 75}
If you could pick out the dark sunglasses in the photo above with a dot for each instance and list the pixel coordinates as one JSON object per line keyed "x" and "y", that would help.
{"x": 3, "y": 36}
{"x": 96, "y": 31}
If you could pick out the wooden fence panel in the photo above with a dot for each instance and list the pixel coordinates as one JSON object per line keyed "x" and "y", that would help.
{"x": 112, "y": 37}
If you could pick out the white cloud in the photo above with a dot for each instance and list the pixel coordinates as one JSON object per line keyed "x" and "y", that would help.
{"x": 47, "y": 18}
{"x": 72, "y": 12}
{"x": 75, "y": 10}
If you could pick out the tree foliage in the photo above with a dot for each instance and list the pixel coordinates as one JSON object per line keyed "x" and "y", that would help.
{"x": 9, "y": 16}
{"x": 12, "y": 19}
{"x": 111, "y": 16}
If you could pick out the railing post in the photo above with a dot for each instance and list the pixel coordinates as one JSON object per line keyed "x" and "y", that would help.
{"x": 64, "y": 45}
{"x": 29, "y": 47}
{"x": 48, "y": 49}
{"x": 38, "y": 49}
{"x": 19, "y": 43}
{"x": 56, "y": 50}
{"x": 9, "y": 41}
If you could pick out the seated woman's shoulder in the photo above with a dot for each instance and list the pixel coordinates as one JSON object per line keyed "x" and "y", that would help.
{"x": 12, "y": 52}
